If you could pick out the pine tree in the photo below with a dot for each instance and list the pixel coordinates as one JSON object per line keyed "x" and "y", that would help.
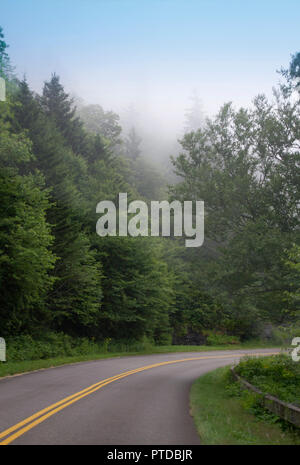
{"x": 137, "y": 288}
{"x": 5, "y": 67}
{"x": 59, "y": 107}
{"x": 132, "y": 144}
{"x": 194, "y": 115}
{"x": 75, "y": 298}
{"x": 25, "y": 239}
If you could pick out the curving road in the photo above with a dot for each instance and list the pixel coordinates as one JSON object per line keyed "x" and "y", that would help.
{"x": 122, "y": 400}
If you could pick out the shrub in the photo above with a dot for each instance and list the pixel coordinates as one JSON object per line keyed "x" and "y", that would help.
{"x": 283, "y": 335}
{"x": 277, "y": 375}
{"x": 51, "y": 344}
{"x": 27, "y": 347}
{"x": 215, "y": 338}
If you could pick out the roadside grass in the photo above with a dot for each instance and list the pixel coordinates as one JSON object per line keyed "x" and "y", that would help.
{"x": 13, "y": 367}
{"x": 222, "y": 419}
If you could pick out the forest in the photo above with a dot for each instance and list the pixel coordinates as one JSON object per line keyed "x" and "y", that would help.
{"x": 58, "y": 278}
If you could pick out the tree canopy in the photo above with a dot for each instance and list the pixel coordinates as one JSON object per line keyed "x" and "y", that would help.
{"x": 56, "y": 273}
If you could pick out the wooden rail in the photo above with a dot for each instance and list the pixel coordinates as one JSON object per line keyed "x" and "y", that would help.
{"x": 287, "y": 411}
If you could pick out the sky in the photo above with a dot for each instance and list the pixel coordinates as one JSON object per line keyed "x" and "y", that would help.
{"x": 153, "y": 54}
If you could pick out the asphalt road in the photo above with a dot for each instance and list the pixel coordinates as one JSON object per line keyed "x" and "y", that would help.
{"x": 150, "y": 406}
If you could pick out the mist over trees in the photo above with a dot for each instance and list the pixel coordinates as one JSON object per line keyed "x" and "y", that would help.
{"x": 245, "y": 165}
{"x": 98, "y": 121}
{"x": 194, "y": 115}
{"x": 58, "y": 161}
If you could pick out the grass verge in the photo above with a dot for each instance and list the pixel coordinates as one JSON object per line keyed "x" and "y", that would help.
{"x": 18, "y": 367}
{"x": 222, "y": 419}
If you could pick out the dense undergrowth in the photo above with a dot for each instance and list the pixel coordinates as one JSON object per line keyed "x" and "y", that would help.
{"x": 277, "y": 375}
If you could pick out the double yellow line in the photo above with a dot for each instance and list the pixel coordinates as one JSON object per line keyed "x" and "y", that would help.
{"x": 25, "y": 425}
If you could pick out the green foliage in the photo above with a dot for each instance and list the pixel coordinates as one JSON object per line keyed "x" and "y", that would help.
{"x": 221, "y": 418}
{"x": 57, "y": 344}
{"x": 132, "y": 144}
{"x": 28, "y": 347}
{"x": 283, "y": 335}
{"x": 74, "y": 301}
{"x": 58, "y": 276}
{"x": 25, "y": 238}
{"x": 137, "y": 289}
{"x": 294, "y": 70}
{"x": 59, "y": 108}
{"x": 278, "y": 375}
{"x": 245, "y": 165}
{"x": 101, "y": 123}
{"x": 147, "y": 179}
{"x": 293, "y": 293}
{"x": 56, "y": 273}
{"x": 216, "y": 338}
{"x": 5, "y": 67}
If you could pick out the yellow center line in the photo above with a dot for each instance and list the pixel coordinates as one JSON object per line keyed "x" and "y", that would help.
{"x": 32, "y": 417}
{"x": 52, "y": 409}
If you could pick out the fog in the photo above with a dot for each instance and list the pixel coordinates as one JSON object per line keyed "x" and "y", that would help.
{"x": 153, "y": 55}
{"x": 158, "y": 111}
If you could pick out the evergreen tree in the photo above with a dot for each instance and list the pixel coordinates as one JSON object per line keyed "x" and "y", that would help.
{"x": 194, "y": 115}
{"x": 59, "y": 107}
{"x": 295, "y": 68}
{"x": 76, "y": 295}
{"x": 5, "y": 67}
{"x": 132, "y": 144}
{"x": 25, "y": 238}
{"x": 137, "y": 289}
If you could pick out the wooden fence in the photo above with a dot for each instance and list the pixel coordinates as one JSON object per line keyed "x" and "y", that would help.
{"x": 288, "y": 412}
